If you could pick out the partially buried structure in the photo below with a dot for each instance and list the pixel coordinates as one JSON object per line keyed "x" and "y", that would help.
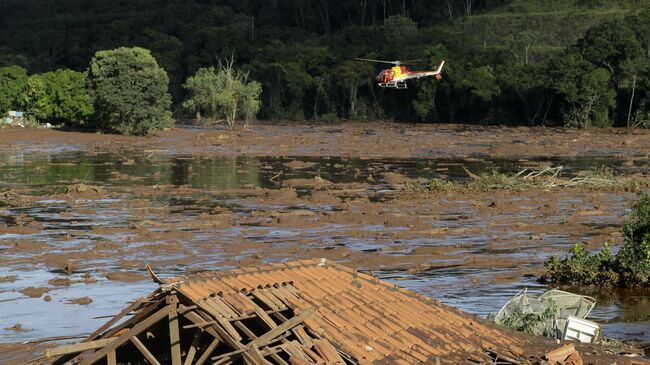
{"x": 305, "y": 312}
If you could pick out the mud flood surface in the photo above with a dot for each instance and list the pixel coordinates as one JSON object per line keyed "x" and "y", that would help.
{"x": 79, "y": 222}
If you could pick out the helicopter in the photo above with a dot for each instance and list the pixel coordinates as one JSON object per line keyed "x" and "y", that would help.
{"x": 395, "y": 77}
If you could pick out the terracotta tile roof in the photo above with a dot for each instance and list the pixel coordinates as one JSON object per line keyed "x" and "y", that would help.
{"x": 310, "y": 312}
{"x": 370, "y": 320}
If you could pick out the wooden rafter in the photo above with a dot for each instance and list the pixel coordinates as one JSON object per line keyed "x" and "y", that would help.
{"x": 144, "y": 351}
{"x": 174, "y": 331}
{"x": 136, "y": 330}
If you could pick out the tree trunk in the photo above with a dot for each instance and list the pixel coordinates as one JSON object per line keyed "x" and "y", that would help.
{"x": 450, "y": 9}
{"x": 629, "y": 112}
{"x": 526, "y": 51}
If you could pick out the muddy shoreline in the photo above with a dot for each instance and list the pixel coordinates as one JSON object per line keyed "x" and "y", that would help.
{"x": 81, "y": 214}
{"x": 350, "y": 139}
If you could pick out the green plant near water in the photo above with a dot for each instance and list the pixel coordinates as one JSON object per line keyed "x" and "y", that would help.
{"x": 433, "y": 185}
{"x": 224, "y": 93}
{"x": 129, "y": 91}
{"x": 630, "y": 267}
{"x": 495, "y": 180}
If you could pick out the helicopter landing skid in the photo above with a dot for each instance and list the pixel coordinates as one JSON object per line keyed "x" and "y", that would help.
{"x": 394, "y": 85}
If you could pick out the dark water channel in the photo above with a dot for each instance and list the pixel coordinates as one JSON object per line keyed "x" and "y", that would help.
{"x": 625, "y": 313}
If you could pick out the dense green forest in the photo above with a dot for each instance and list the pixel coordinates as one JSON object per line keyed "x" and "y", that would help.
{"x": 574, "y": 62}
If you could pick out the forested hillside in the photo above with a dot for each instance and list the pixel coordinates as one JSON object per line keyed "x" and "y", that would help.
{"x": 508, "y": 61}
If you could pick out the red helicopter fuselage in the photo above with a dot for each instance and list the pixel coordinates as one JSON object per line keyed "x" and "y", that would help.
{"x": 395, "y": 77}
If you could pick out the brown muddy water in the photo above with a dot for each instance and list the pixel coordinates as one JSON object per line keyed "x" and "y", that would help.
{"x": 69, "y": 258}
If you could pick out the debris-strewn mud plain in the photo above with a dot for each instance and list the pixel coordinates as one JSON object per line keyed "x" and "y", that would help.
{"x": 81, "y": 214}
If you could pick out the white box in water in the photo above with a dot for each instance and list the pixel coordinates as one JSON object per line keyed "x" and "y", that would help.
{"x": 581, "y": 330}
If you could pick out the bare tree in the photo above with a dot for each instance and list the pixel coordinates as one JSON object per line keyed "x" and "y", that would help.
{"x": 450, "y": 8}
{"x": 468, "y": 4}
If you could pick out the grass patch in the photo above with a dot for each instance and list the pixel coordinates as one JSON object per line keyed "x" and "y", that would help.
{"x": 630, "y": 267}
{"x": 495, "y": 180}
{"x": 433, "y": 185}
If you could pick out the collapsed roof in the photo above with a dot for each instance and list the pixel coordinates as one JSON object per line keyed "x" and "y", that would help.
{"x": 305, "y": 312}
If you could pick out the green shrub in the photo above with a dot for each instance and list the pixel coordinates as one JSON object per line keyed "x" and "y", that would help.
{"x": 629, "y": 268}
{"x": 57, "y": 97}
{"x": 329, "y": 118}
{"x": 223, "y": 93}
{"x": 129, "y": 91}
{"x": 634, "y": 257}
{"x": 12, "y": 83}
{"x": 584, "y": 268}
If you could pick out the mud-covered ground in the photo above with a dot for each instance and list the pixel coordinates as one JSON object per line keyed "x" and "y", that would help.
{"x": 375, "y": 140}
{"x": 81, "y": 214}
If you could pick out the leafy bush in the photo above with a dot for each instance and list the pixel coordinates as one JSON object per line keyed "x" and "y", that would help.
{"x": 12, "y": 83}
{"x": 634, "y": 257}
{"x": 629, "y": 268}
{"x": 584, "y": 268}
{"x": 129, "y": 91}
{"x": 57, "y": 97}
{"x": 329, "y": 118}
{"x": 223, "y": 93}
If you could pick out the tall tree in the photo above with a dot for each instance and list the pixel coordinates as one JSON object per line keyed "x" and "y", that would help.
{"x": 129, "y": 91}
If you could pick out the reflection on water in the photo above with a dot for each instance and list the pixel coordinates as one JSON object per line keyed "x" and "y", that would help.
{"x": 61, "y": 230}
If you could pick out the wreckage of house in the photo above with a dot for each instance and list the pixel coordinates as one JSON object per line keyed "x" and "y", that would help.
{"x": 306, "y": 312}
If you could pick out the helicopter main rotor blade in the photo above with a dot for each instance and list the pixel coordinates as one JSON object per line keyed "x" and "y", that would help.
{"x": 410, "y": 61}
{"x": 379, "y": 61}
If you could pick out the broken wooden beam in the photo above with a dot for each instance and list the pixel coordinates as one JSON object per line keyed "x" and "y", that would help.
{"x": 144, "y": 350}
{"x": 78, "y": 347}
{"x": 134, "y": 331}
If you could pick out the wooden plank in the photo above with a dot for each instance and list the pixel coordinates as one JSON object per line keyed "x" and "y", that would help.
{"x": 226, "y": 309}
{"x": 253, "y": 356}
{"x": 136, "y": 330}
{"x": 314, "y": 356}
{"x": 174, "y": 331}
{"x": 265, "y": 317}
{"x": 115, "y": 319}
{"x": 245, "y": 329}
{"x": 192, "y": 351}
{"x": 78, "y": 347}
{"x": 295, "y": 360}
{"x": 302, "y": 335}
{"x": 201, "y": 325}
{"x": 195, "y": 318}
{"x": 269, "y": 336}
{"x": 223, "y": 322}
{"x": 278, "y": 359}
{"x": 111, "y": 358}
{"x": 228, "y": 354}
{"x": 138, "y": 317}
{"x": 261, "y": 296}
{"x": 208, "y": 352}
{"x": 217, "y": 331}
{"x": 145, "y": 351}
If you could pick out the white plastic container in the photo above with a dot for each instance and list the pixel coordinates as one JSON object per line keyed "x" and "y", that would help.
{"x": 582, "y": 330}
